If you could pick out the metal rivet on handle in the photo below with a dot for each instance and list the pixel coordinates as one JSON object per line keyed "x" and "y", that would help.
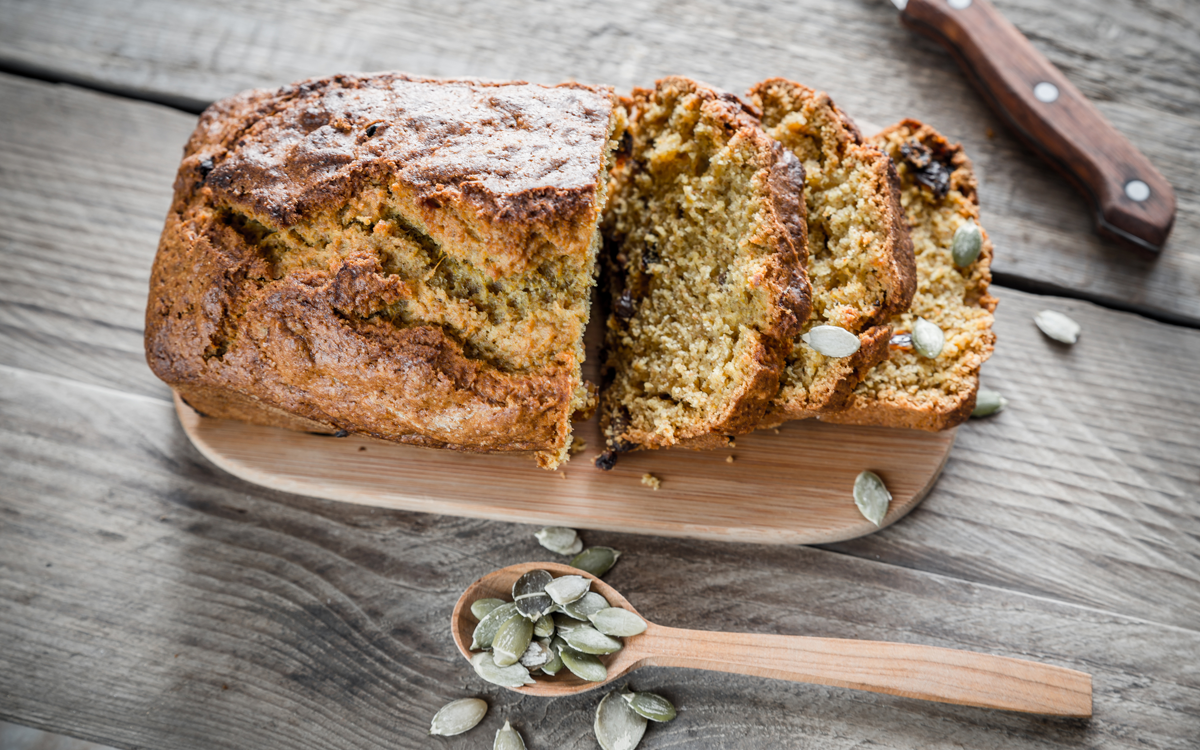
{"x": 1137, "y": 190}
{"x": 959, "y": 4}
{"x": 1046, "y": 92}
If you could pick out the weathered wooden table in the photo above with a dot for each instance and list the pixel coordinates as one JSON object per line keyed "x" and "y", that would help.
{"x": 149, "y": 600}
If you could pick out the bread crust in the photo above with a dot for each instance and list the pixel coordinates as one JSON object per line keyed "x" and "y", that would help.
{"x": 780, "y": 179}
{"x": 468, "y": 161}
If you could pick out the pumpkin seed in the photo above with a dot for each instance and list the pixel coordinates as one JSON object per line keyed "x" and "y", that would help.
{"x": 617, "y": 621}
{"x": 508, "y": 738}
{"x": 1058, "y": 326}
{"x": 555, "y": 664}
{"x": 529, "y": 593}
{"x": 485, "y": 631}
{"x": 832, "y": 341}
{"x": 967, "y": 242}
{"x": 988, "y": 402}
{"x": 563, "y": 623}
{"x": 512, "y": 638}
{"x": 584, "y": 607}
{"x": 871, "y": 496}
{"x": 596, "y": 560}
{"x": 514, "y": 676}
{"x": 617, "y": 725}
{"x": 588, "y": 640}
{"x": 535, "y": 656}
{"x": 566, "y": 589}
{"x": 584, "y": 666}
{"x": 481, "y": 607}
{"x": 927, "y": 338}
{"x": 544, "y": 628}
{"x": 560, "y": 540}
{"x": 654, "y": 707}
{"x": 458, "y": 716}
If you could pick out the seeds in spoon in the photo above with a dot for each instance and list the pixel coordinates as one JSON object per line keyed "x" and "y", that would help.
{"x": 832, "y": 341}
{"x": 1058, "y": 326}
{"x": 596, "y": 560}
{"x": 485, "y": 631}
{"x": 617, "y": 621}
{"x": 967, "y": 242}
{"x": 566, "y": 589}
{"x": 987, "y": 403}
{"x": 480, "y": 607}
{"x": 508, "y": 738}
{"x": 514, "y": 676}
{"x": 928, "y": 340}
{"x": 871, "y": 496}
{"x": 512, "y": 639}
{"x": 585, "y": 606}
{"x": 535, "y": 656}
{"x": 654, "y": 707}
{"x": 544, "y": 628}
{"x": 559, "y": 539}
{"x": 617, "y": 725}
{"x": 529, "y": 594}
{"x": 555, "y": 664}
{"x": 458, "y": 716}
{"x": 584, "y": 666}
{"x": 591, "y": 641}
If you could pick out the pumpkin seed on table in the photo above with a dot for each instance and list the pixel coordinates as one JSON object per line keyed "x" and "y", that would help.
{"x": 566, "y": 589}
{"x": 480, "y": 607}
{"x": 617, "y": 621}
{"x": 485, "y": 631}
{"x": 584, "y": 666}
{"x": 967, "y": 242}
{"x": 832, "y": 341}
{"x": 1058, "y": 326}
{"x": 513, "y": 676}
{"x": 585, "y": 606}
{"x": 508, "y": 738}
{"x": 588, "y": 640}
{"x": 559, "y": 539}
{"x": 458, "y": 716}
{"x": 511, "y": 641}
{"x": 596, "y": 560}
{"x": 544, "y": 628}
{"x": 871, "y": 496}
{"x": 651, "y": 705}
{"x": 927, "y": 339}
{"x": 987, "y": 403}
{"x": 529, "y": 594}
{"x": 617, "y": 725}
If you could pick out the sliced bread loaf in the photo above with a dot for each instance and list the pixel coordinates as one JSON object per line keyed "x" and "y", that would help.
{"x": 938, "y": 193}
{"x": 706, "y": 245}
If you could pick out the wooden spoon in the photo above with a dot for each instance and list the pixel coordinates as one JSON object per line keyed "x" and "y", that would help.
{"x": 926, "y": 672}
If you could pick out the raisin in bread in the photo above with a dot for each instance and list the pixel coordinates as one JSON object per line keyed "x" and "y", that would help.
{"x": 705, "y": 241}
{"x": 405, "y": 258}
{"x": 938, "y": 192}
{"x": 860, "y": 258}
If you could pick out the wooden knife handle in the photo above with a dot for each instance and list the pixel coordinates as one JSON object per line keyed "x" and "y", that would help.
{"x": 1133, "y": 203}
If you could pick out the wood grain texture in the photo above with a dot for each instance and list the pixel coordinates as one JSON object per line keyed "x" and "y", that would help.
{"x": 150, "y": 600}
{"x": 1135, "y": 60}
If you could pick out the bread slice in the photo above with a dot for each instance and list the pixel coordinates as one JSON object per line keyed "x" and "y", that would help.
{"x": 706, "y": 244}
{"x": 938, "y": 192}
{"x": 406, "y": 258}
{"x": 860, "y": 258}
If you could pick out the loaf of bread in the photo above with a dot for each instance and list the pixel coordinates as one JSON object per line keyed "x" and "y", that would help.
{"x": 860, "y": 258}
{"x": 938, "y": 193}
{"x": 405, "y": 258}
{"x": 705, "y": 241}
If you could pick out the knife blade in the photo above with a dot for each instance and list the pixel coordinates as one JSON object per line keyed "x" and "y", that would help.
{"x": 1132, "y": 203}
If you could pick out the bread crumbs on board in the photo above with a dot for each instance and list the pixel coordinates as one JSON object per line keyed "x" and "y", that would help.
{"x": 651, "y": 481}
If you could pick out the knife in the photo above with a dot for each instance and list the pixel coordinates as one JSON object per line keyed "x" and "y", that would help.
{"x": 1131, "y": 201}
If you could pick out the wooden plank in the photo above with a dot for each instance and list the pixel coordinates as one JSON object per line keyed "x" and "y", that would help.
{"x": 1134, "y": 61}
{"x": 1081, "y": 491}
{"x": 149, "y": 600}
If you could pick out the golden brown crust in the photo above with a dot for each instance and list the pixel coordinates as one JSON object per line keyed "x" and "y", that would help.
{"x": 908, "y": 391}
{"x": 861, "y": 266}
{"x": 778, "y": 180}
{"x": 467, "y": 160}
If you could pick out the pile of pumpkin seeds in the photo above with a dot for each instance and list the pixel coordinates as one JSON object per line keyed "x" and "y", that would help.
{"x": 551, "y": 624}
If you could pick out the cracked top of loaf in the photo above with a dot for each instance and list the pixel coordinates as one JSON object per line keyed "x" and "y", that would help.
{"x": 400, "y": 257}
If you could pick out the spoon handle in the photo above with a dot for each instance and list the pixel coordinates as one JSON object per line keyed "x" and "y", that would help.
{"x": 914, "y": 671}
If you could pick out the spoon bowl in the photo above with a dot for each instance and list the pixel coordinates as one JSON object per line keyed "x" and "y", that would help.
{"x": 925, "y": 672}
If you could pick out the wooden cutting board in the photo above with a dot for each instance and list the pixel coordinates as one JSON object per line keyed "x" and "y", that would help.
{"x": 790, "y": 487}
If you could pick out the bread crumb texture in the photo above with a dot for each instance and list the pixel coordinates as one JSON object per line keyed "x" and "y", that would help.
{"x": 938, "y": 193}
{"x": 651, "y": 481}
{"x": 405, "y": 258}
{"x": 704, "y": 245}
